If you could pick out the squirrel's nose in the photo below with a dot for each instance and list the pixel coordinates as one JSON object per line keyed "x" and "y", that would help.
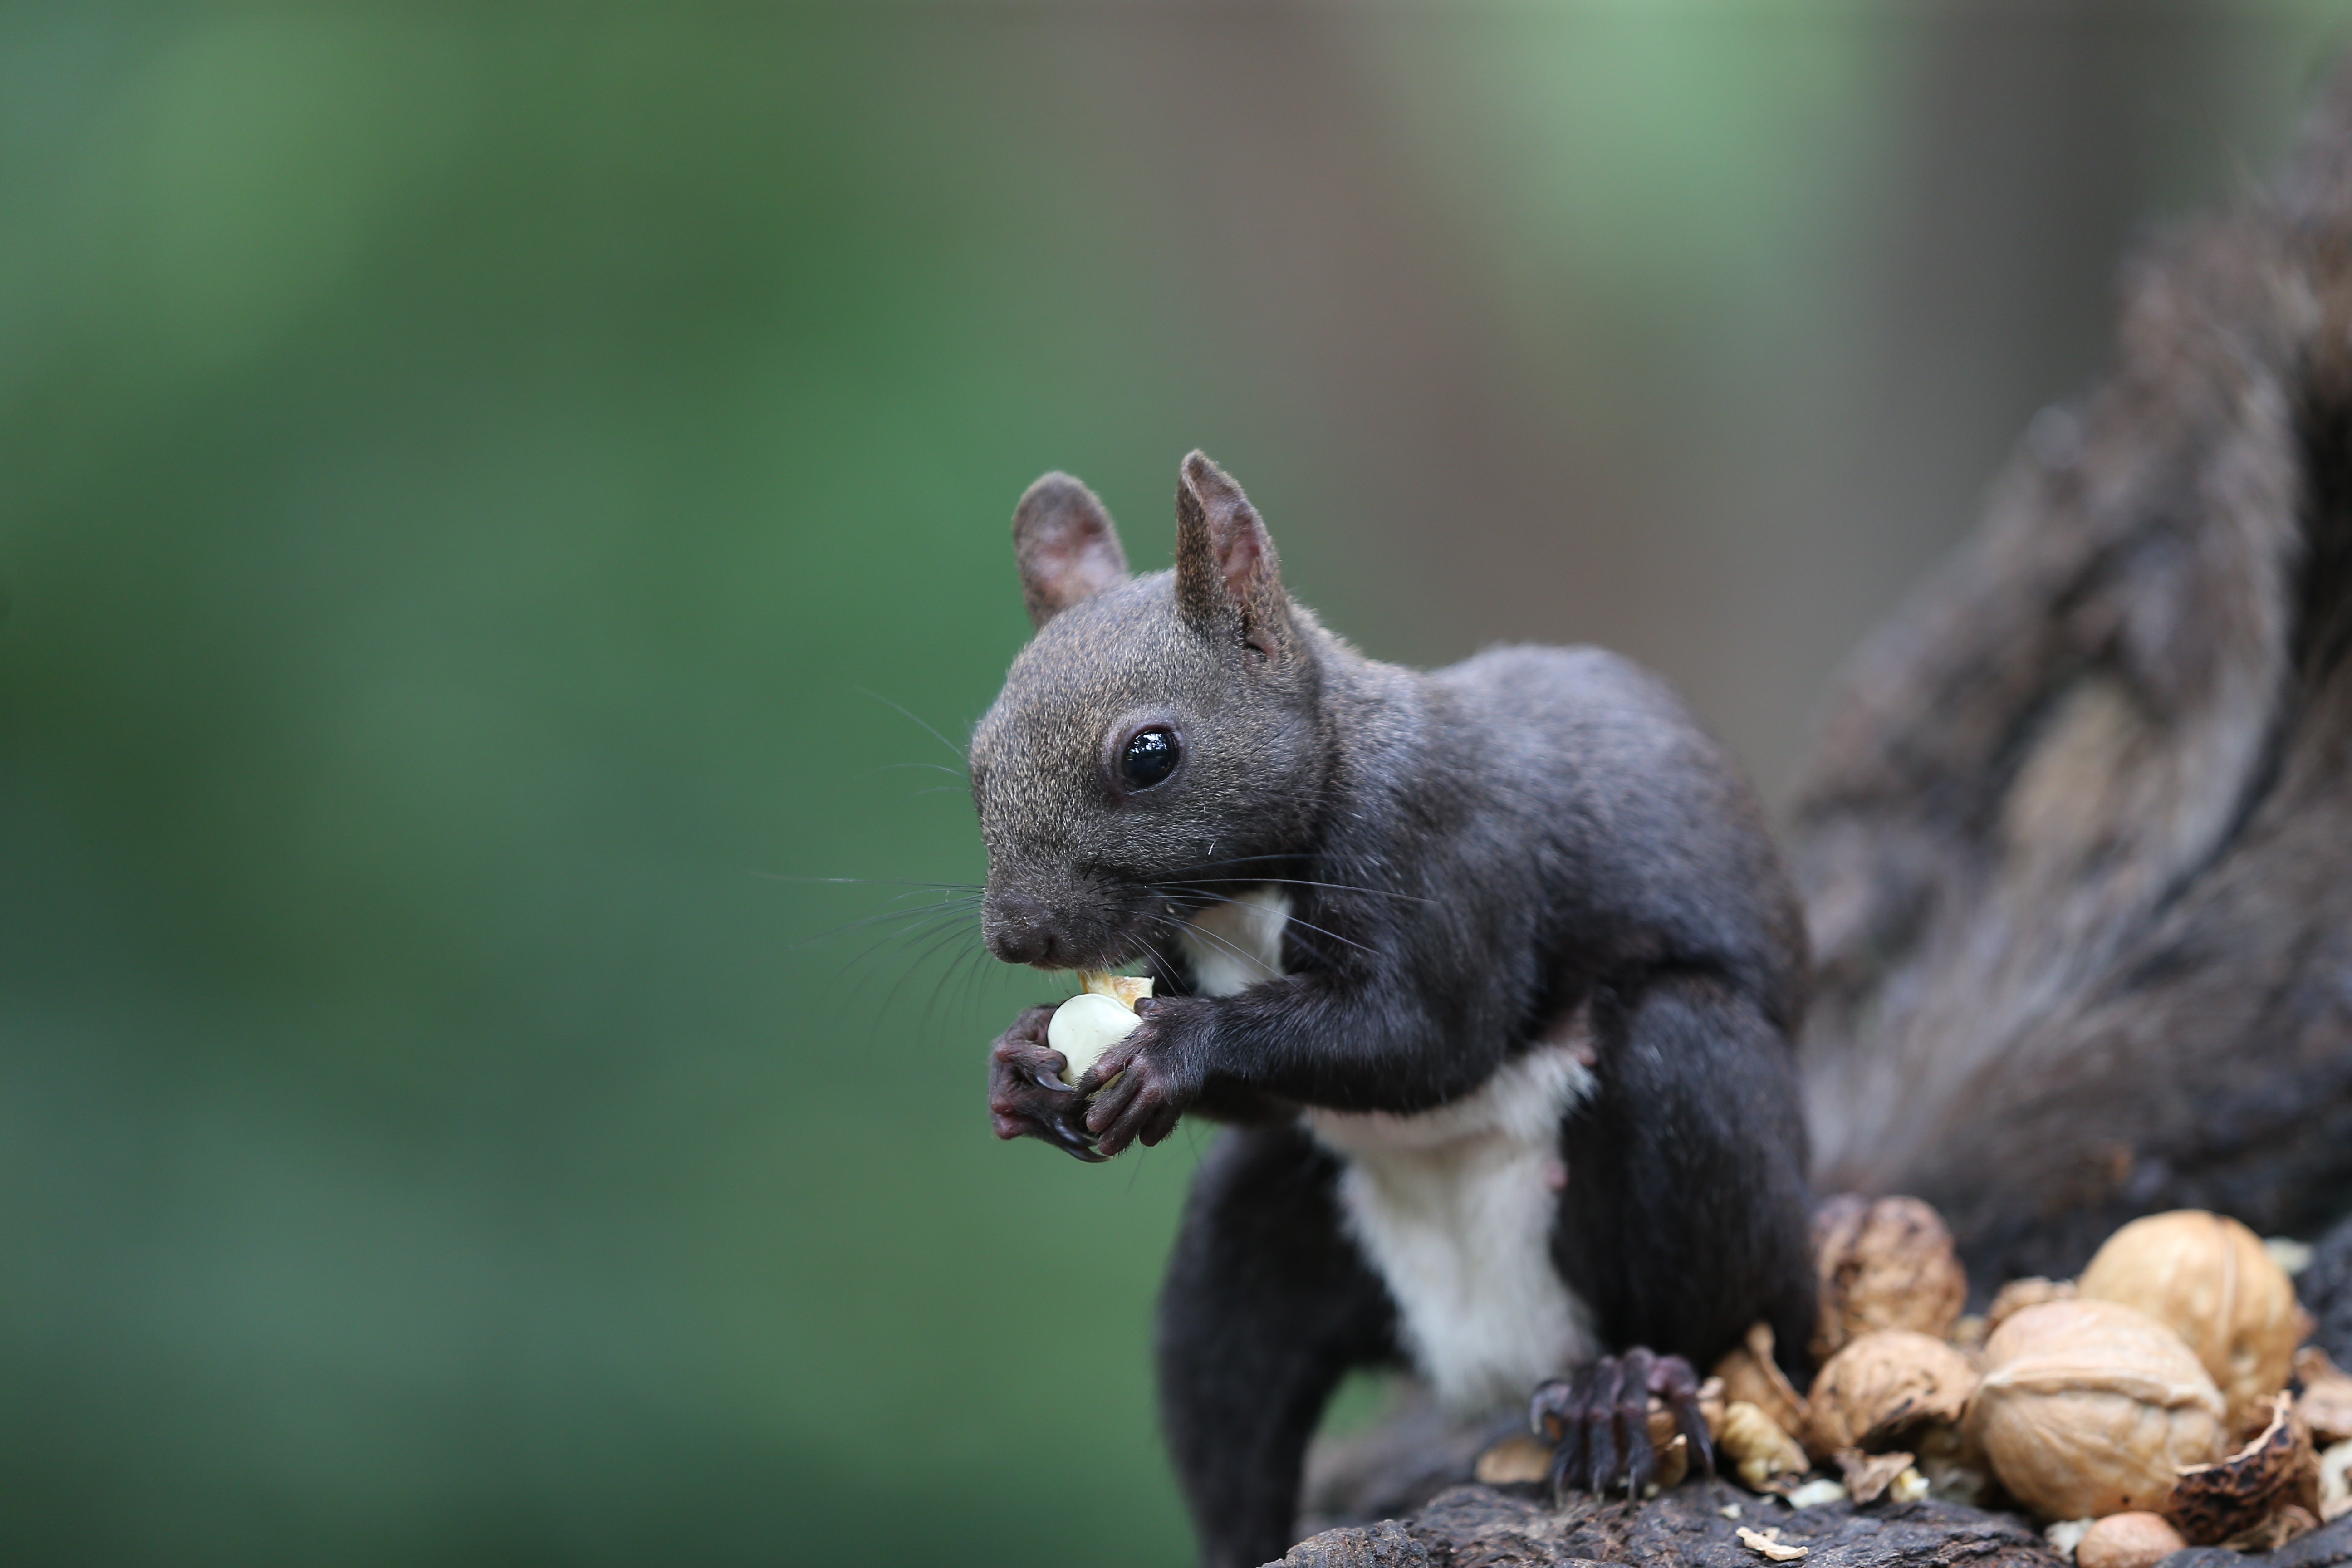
{"x": 1019, "y": 928}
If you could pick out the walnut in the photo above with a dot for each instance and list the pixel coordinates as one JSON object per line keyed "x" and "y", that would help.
{"x": 2239, "y": 1495}
{"x": 2213, "y": 1282}
{"x": 1884, "y": 1263}
{"x": 2136, "y": 1540}
{"x": 2019, "y": 1294}
{"x": 1756, "y": 1447}
{"x": 1883, "y": 1385}
{"x": 2091, "y": 1408}
{"x": 1750, "y": 1374}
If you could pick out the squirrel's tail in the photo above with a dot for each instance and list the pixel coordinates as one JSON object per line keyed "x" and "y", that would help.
{"x": 2077, "y": 834}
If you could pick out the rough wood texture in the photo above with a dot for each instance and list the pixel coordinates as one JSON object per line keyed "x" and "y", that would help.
{"x": 1491, "y": 1527}
{"x": 2076, "y": 839}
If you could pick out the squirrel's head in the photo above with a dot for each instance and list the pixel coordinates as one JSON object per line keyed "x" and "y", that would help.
{"x": 1158, "y": 737}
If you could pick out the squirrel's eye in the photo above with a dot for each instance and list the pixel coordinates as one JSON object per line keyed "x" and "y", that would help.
{"x": 1149, "y": 757}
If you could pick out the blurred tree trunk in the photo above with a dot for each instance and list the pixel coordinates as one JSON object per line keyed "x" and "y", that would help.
{"x": 2076, "y": 837}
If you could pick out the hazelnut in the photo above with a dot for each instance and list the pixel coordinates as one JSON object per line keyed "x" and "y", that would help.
{"x": 2089, "y": 1408}
{"x": 1750, "y": 1374}
{"x": 2213, "y": 1282}
{"x": 2136, "y": 1540}
{"x": 1884, "y": 1263}
{"x": 2218, "y": 1502}
{"x": 1884, "y": 1385}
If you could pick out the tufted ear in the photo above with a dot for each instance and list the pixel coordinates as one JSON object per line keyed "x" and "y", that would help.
{"x": 1064, "y": 544}
{"x": 1224, "y": 559}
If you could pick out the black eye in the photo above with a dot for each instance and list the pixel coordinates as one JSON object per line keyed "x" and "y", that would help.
{"x": 1149, "y": 757}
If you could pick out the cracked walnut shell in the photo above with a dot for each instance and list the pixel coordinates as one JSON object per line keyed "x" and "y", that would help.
{"x": 2220, "y": 1502}
{"x": 1883, "y": 1385}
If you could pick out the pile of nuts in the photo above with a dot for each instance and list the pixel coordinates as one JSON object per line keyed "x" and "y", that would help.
{"x": 2160, "y": 1400}
{"x": 2157, "y": 1401}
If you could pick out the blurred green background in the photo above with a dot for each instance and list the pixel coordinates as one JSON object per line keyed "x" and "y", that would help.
{"x": 478, "y": 485}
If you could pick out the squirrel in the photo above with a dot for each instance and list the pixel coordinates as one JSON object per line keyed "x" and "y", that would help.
{"x": 1492, "y": 972}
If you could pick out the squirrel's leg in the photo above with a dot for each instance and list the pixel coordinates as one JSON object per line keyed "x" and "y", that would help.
{"x": 1686, "y": 1214}
{"x": 1266, "y": 1307}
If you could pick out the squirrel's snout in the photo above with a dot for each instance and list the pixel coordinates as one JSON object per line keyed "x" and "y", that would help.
{"x": 1020, "y": 930}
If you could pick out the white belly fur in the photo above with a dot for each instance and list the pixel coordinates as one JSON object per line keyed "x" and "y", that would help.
{"x": 1453, "y": 1206}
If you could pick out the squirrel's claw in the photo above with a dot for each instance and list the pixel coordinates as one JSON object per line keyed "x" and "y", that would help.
{"x": 1027, "y": 1099}
{"x": 1598, "y": 1420}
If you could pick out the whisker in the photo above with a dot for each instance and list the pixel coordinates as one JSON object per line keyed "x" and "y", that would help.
{"x": 910, "y": 713}
{"x": 868, "y": 881}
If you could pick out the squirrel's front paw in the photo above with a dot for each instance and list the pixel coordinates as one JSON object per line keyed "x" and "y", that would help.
{"x": 1141, "y": 1086}
{"x": 1599, "y": 1420}
{"x": 1025, "y": 1094}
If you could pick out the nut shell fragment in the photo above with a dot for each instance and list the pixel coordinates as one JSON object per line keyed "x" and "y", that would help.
{"x": 2213, "y": 1282}
{"x": 1767, "y": 1544}
{"x": 1887, "y": 1263}
{"x": 2218, "y": 1502}
{"x": 1868, "y": 1476}
{"x": 1750, "y": 1374}
{"x": 2089, "y": 1408}
{"x": 2134, "y": 1540}
{"x": 1884, "y": 1385}
{"x": 1755, "y": 1447}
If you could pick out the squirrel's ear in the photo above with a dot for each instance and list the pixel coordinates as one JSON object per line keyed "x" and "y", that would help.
{"x": 1065, "y": 546}
{"x": 1224, "y": 559}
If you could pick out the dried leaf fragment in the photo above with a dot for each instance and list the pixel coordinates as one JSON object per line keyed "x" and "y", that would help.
{"x": 1767, "y": 1544}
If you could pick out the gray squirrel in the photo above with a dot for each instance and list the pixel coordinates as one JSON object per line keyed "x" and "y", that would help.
{"x": 1492, "y": 972}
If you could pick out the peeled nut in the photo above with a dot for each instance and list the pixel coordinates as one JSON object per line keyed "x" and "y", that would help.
{"x": 1885, "y": 1386}
{"x": 1884, "y": 1263}
{"x": 1756, "y": 1447}
{"x": 1096, "y": 1019}
{"x": 2136, "y": 1540}
{"x": 1750, "y": 1374}
{"x": 2218, "y": 1502}
{"x": 2089, "y": 1408}
{"x": 2213, "y": 1282}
